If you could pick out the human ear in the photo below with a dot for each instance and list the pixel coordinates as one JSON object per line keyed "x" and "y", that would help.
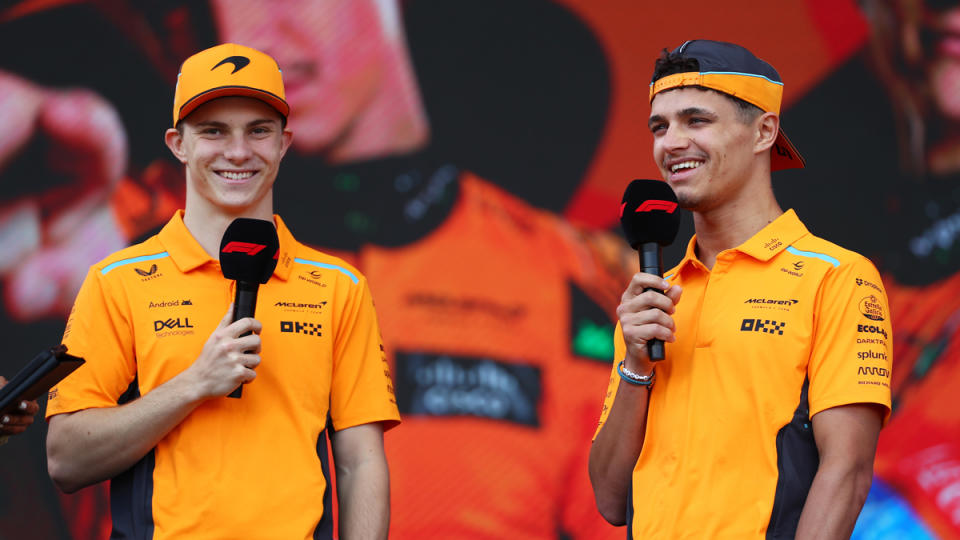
{"x": 174, "y": 141}
{"x": 767, "y": 129}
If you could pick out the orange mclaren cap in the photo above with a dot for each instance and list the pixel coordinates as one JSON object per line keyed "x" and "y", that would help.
{"x": 228, "y": 70}
{"x": 733, "y": 70}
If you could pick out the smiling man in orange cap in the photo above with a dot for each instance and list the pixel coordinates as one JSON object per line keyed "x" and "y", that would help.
{"x": 150, "y": 411}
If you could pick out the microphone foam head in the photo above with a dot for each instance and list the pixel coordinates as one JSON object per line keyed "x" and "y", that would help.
{"x": 248, "y": 250}
{"x": 648, "y": 213}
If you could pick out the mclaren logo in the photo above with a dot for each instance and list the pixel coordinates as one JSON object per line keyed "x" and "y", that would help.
{"x": 771, "y": 301}
{"x": 239, "y": 62}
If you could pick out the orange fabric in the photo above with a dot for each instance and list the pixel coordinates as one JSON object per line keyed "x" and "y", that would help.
{"x": 922, "y": 440}
{"x": 751, "y": 88}
{"x": 732, "y": 380}
{"x": 228, "y": 70}
{"x": 492, "y": 283}
{"x": 144, "y": 314}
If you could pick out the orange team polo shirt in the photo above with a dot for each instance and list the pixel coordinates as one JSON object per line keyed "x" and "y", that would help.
{"x": 783, "y": 327}
{"x": 234, "y": 468}
{"x": 499, "y": 325}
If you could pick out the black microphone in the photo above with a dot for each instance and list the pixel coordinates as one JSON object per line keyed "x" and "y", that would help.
{"x": 650, "y": 221}
{"x": 248, "y": 254}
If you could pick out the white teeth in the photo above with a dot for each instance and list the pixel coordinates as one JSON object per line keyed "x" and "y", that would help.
{"x": 685, "y": 165}
{"x": 236, "y": 175}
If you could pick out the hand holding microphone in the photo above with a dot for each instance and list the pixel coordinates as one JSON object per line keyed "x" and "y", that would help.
{"x": 650, "y": 221}
{"x": 248, "y": 254}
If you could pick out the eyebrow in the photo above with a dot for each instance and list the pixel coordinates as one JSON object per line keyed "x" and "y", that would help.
{"x": 222, "y": 125}
{"x": 683, "y": 113}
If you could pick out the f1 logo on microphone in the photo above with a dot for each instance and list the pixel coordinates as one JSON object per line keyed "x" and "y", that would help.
{"x": 654, "y": 204}
{"x": 243, "y": 247}
{"x": 651, "y": 205}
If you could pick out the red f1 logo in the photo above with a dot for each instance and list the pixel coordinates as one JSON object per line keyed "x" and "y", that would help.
{"x": 243, "y": 247}
{"x": 654, "y": 204}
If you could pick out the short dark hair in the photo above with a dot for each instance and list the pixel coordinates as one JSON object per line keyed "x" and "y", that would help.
{"x": 670, "y": 63}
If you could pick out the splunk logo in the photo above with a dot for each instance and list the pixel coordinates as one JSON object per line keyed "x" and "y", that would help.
{"x": 871, "y": 355}
{"x": 297, "y": 327}
{"x": 762, "y": 325}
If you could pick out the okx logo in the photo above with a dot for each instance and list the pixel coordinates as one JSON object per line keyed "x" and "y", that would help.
{"x": 762, "y": 325}
{"x": 297, "y": 327}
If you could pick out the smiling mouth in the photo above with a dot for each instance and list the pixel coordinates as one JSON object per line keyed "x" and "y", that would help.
{"x": 236, "y": 175}
{"x": 685, "y": 165}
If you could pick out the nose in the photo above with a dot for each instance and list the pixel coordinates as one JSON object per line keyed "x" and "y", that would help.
{"x": 675, "y": 138}
{"x": 238, "y": 150}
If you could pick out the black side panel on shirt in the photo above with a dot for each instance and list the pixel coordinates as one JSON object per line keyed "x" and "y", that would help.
{"x": 324, "y": 530}
{"x": 630, "y": 508}
{"x": 131, "y": 492}
{"x": 797, "y": 463}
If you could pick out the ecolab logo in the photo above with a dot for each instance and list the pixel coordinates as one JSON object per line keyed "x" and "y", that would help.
{"x": 769, "y": 301}
{"x": 871, "y": 355}
{"x": 871, "y": 329}
{"x": 882, "y": 372}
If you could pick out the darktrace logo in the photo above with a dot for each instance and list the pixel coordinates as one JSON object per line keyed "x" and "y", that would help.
{"x": 878, "y": 371}
{"x": 794, "y": 269}
{"x": 313, "y": 277}
{"x": 871, "y": 329}
{"x": 173, "y": 327}
{"x": 299, "y": 306}
{"x": 871, "y": 308}
{"x": 864, "y": 283}
{"x": 170, "y": 303}
{"x": 52, "y": 394}
{"x": 298, "y": 327}
{"x": 762, "y": 325}
{"x": 239, "y": 62}
{"x": 149, "y": 273}
{"x": 871, "y": 355}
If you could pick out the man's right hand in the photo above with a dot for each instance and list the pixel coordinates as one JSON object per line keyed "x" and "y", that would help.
{"x": 228, "y": 358}
{"x": 645, "y": 316}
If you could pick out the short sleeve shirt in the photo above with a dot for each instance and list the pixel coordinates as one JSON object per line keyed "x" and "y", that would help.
{"x": 783, "y": 308}
{"x": 143, "y": 316}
